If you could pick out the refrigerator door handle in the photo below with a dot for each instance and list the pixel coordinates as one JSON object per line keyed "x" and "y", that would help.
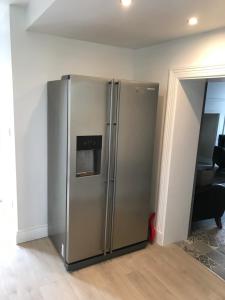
{"x": 114, "y": 155}
{"x": 108, "y": 150}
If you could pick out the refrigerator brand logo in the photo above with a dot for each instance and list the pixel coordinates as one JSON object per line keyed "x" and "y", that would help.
{"x": 149, "y": 89}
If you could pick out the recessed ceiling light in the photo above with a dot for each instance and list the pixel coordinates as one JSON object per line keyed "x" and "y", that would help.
{"x": 192, "y": 21}
{"x": 126, "y": 3}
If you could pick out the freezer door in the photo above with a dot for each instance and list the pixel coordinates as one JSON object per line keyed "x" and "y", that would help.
{"x": 135, "y": 137}
{"x": 57, "y": 161}
{"x": 87, "y": 174}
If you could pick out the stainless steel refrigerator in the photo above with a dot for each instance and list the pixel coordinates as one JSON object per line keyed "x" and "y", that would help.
{"x": 100, "y": 156}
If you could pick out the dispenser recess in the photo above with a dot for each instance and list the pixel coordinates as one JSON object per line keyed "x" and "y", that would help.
{"x": 88, "y": 155}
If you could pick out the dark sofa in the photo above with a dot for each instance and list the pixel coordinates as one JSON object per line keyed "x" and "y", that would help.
{"x": 219, "y": 157}
{"x": 219, "y": 153}
{"x": 209, "y": 203}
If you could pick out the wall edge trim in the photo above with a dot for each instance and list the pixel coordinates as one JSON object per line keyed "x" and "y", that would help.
{"x": 31, "y": 233}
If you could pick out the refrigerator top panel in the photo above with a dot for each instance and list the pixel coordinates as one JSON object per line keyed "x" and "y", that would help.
{"x": 150, "y": 86}
{"x": 84, "y": 77}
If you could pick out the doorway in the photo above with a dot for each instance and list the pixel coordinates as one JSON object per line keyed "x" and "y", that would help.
{"x": 180, "y": 144}
{"x": 206, "y": 241}
{"x": 209, "y": 186}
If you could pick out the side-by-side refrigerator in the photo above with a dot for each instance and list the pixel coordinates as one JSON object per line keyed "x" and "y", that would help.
{"x": 100, "y": 157}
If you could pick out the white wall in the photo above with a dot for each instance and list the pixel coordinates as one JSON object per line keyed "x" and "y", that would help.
{"x": 183, "y": 160}
{"x": 7, "y": 154}
{"x": 208, "y": 137}
{"x": 38, "y": 58}
{"x": 36, "y": 8}
{"x": 215, "y": 103}
{"x": 153, "y": 64}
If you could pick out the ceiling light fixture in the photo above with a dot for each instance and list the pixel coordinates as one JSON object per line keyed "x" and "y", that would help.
{"x": 126, "y": 3}
{"x": 193, "y": 21}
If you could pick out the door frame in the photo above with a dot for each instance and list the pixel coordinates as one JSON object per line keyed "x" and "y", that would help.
{"x": 175, "y": 76}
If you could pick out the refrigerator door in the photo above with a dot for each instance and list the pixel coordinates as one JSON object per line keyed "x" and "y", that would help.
{"x": 136, "y": 118}
{"x": 87, "y": 212}
{"x": 57, "y": 161}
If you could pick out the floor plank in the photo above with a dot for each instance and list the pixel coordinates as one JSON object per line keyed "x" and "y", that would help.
{"x": 34, "y": 271}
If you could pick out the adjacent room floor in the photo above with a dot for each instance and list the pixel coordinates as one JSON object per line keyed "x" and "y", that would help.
{"x": 35, "y": 271}
{"x": 207, "y": 244}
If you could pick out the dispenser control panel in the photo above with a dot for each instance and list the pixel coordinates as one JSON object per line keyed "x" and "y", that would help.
{"x": 89, "y": 142}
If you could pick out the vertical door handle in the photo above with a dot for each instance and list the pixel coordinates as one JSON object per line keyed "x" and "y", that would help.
{"x": 108, "y": 149}
{"x": 115, "y": 130}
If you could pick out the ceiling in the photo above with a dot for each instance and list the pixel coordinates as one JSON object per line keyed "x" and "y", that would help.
{"x": 145, "y": 23}
{"x": 17, "y": 2}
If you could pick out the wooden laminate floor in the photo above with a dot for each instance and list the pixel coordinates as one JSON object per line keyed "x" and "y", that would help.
{"x": 35, "y": 271}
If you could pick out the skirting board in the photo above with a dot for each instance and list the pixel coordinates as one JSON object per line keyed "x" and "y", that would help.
{"x": 38, "y": 232}
{"x": 32, "y": 233}
{"x": 159, "y": 238}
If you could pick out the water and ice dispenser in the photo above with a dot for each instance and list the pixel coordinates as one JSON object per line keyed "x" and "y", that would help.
{"x": 88, "y": 155}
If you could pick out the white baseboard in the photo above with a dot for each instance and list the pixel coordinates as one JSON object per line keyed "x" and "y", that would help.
{"x": 32, "y": 233}
{"x": 38, "y": 232}
{"x": 159, "y": 238}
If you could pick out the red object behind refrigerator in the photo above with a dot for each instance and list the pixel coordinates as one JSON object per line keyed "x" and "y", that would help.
{"x": 152, "y": 229}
